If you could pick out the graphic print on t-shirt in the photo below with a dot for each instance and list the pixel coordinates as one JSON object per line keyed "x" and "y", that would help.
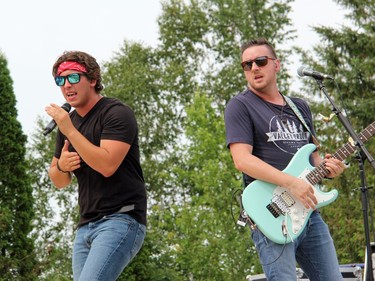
{"x": 287, "y": 134}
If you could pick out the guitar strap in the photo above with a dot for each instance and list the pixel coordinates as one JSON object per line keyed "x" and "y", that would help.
{"x": 299, "y": 115}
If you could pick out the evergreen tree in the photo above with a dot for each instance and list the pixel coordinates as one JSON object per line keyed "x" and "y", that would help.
{"x": 56, "y": 212}
{"x": 16, "y": 201}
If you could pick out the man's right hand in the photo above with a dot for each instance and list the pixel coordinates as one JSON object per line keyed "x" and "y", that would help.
{"x": 303, "y": 191}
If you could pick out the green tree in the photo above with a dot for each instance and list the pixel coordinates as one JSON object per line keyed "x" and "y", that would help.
{"x": 56, "y": 211}
{"x": 188, "y": 170}
{"x": 206, "y": 36}
{"x": 16, "y": 201}
{"x": 147, "y": 82}
{"x": 178, "y": 92}
{"x": 205, "y": 231}
{"x": 347, "y": 55}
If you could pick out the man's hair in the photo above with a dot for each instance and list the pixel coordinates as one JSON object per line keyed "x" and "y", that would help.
{"x": 258, "y": 42}
{"x": 89, "y": 62}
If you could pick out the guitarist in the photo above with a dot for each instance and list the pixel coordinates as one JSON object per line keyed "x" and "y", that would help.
{"x": 263, "y": 133}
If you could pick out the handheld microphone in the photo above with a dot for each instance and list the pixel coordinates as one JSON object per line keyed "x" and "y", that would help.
{"x": 303, "y": 71}
{"x": 51, "y": 125}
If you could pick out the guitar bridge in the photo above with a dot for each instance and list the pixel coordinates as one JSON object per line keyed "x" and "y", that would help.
{"x": 280, "y": 204}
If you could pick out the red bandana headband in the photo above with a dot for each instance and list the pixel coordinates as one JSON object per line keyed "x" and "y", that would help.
{"x": 70, "y": 65}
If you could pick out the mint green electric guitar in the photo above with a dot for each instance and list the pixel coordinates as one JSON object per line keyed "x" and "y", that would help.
{"x": 276, "y": 213}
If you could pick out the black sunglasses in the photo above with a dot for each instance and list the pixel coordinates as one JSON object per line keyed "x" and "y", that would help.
{"x": 73, "y": 78}
{"x": 260, "y": 61}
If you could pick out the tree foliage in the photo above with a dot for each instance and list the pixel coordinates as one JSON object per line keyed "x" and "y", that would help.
{"x": 207, "y": 35}
{"x": 16, "y": 201}
{"x": 178, "y": 91}
{"x": 56, "y": 212}
{"x": 347, "y": 55}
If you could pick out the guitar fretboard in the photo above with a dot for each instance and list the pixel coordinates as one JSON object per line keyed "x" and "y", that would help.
{"x": 319, "y": 172}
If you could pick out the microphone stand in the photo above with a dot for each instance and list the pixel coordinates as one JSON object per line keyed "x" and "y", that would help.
{"x": 363, "y": 154}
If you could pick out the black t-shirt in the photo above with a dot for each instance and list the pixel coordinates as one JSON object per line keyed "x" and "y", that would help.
{"x": 275, "y": 132}
{"x": 98, "y": 196}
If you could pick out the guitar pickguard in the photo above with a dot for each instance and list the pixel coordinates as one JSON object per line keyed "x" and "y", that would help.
{"x": 293, "y": 210}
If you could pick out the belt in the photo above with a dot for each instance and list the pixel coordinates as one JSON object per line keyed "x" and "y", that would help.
{"x": 126, "y": 208}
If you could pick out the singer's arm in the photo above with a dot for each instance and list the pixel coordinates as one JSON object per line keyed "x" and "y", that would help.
{"x": 105, "y": 158}
{"x": 60, "y": 179}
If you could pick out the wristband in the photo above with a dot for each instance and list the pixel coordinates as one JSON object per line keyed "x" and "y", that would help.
{"x": 60, "y": 170}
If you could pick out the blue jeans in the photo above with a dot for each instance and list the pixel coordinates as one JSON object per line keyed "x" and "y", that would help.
{"x": 103, "y": 248}
{"x": 313, "y": 250}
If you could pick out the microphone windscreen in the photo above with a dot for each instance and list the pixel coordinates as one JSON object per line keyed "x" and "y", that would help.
{"x": 300, "y": 71}
{"x": 66, "y": 107}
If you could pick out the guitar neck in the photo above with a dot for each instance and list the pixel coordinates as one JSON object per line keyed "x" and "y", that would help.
{"x": 319, "y": 172}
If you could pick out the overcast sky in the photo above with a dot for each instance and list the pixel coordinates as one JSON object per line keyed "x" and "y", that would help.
{"x": 34, "y": 33}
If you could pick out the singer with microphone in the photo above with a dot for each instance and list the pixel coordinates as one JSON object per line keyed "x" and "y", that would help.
{"x": 98, "y": 143}
{"x": 264, "y": 130}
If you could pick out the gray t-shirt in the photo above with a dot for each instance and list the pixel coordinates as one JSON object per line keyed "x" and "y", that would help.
{"x": 274, "y": 131}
